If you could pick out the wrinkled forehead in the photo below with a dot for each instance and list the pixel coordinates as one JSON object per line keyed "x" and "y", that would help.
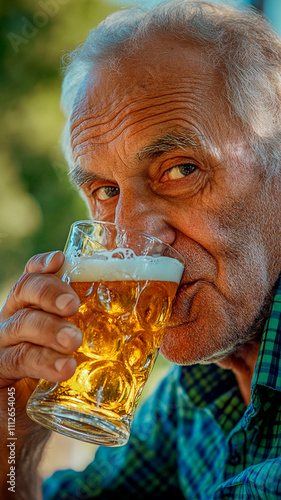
{"x": 160, "y": 66}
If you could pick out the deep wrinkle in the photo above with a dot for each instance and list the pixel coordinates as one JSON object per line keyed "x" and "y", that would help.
{"x": 171, "y": 141}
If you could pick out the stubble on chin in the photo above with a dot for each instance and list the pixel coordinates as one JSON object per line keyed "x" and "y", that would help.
{"x": 214, "y": 331}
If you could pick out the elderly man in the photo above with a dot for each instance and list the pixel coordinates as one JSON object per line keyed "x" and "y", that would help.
{"x": 174, "y": 120}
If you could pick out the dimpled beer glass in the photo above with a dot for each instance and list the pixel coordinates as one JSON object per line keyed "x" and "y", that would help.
{"x": 126, "y": 282}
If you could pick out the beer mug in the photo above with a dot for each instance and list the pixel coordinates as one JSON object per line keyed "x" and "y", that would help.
{"x": 126, "y": 281}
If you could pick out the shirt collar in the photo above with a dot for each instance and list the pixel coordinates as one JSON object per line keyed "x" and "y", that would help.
{"x": 268, "y": 367}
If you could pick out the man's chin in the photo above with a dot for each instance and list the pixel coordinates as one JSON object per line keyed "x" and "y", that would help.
{"x": 187, "y": 344}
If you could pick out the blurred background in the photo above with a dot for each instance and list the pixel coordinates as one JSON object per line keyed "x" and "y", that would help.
{"x": 37, "y": 202}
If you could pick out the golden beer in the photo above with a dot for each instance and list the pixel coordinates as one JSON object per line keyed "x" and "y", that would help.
{"x": 125, "y": 305}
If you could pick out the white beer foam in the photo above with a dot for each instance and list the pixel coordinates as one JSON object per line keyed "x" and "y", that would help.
{"x": 117, "y": 266}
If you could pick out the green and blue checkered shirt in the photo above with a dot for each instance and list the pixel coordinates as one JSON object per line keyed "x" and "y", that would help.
{"x": 194, "y": 438}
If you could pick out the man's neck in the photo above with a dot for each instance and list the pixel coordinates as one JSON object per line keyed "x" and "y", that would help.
{"x": 242, "y": 363}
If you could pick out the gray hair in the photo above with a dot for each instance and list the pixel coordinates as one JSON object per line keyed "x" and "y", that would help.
{"x": 239, "y": 42}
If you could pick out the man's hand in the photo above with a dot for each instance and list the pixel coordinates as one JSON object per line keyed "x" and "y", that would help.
{"x": 35, "y": 339}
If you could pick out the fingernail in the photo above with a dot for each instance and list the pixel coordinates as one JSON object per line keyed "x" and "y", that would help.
{"x": 60, "y": 363}
{"x": 67, "y": 334}
{"x": 49, "y": 258}
{"x": 63, "y": 300}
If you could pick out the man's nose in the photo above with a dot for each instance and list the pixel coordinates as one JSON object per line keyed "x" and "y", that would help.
{"x": 145, "y": 215}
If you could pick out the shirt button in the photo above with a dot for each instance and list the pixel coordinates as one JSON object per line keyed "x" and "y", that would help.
{"x": 234, "y": 459}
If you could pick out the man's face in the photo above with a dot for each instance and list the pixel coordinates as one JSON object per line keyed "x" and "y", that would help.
{"x": 155, "y": 149}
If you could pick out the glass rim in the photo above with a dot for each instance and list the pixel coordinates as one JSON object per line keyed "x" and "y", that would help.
{"x": 115, "y": 224}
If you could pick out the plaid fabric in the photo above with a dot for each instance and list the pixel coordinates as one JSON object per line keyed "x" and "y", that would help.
{"x": 194, "y": 438}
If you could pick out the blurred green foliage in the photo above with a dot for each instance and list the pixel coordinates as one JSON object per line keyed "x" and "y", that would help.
{"x": 37, "y": 202}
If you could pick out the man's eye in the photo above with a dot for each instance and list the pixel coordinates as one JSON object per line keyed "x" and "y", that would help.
{"x": 180, "y": 171}
{"x": 106, "y": 192}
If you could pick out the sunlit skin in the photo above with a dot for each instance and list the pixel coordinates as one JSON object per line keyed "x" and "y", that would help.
{"x": 204, "y": 196}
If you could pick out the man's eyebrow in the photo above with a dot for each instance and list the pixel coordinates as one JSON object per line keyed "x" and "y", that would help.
{"x": 163, "y": 144}
{"x": 79, "y": 176}
{"x": 168, "y": 142}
